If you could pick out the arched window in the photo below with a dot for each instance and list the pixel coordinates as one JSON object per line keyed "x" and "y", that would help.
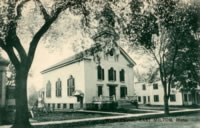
{"x": 48, "y": 89}
{"x": 70, "y": 86}
{"x": 58, "y": 88}
{"x": 100, "y": 73}
{"x": 111, "y": 74}
{"x": 122, "y": 75}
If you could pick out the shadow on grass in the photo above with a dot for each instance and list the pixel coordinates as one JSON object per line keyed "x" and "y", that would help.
{"x": 183, "y": 116}
{"x": 55, "y": 116}
{"x": 129, "y": 111}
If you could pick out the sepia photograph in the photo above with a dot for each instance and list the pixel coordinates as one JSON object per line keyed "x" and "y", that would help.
{"x": 99, "y": 63}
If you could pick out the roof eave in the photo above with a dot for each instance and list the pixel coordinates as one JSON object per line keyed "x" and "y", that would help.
{"x": 60, "y": 66}
{"x": 129, "y": 59}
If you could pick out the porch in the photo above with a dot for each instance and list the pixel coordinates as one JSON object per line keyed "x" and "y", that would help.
{"x": 110, "y": 102}
{"x": 191, "y": 97}
{"x": 109, "y": 99}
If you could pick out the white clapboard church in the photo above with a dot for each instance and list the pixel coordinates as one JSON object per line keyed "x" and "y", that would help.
{"x": 98, "y": 75}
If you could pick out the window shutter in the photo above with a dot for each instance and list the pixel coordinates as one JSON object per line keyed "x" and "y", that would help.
{"x": 121, "y": 92}
{"x": 73, "y": 85}
{"x": 120, "y": 75}
{"x": 60, "y": 88}
{"x": 68, "y": 87}
{"x": 109, "y": 75}
{"x": 103, "y": 73}
{"x": 56, "y": 89}
{"x": 124, "y": 75}
{"x": 114, "y": 75}
{"x": 47, "y": 90}
{"x": 98, "y": 73}
{"x": 126, "y": 91}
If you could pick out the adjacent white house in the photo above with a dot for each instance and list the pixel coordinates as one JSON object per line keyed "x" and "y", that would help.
{"x": 152, "y": 94}
{"x": 86, "y": 79}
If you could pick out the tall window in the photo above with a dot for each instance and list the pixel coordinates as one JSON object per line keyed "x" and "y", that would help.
{"x": 64, "y": 106}
{"x": 58, "y": 88}
{"x": 100, "y": 73}
{"x": 70, "y": 86}
{"x": 48, "y": 89}
{"x": 58, "y": 105}
{"x": 143, "y": 87}
{"x": 53, "y": 106}
{"x": 123, "y": 92}
{"x": 111, "y": 74}
{"x": 185, "y": 98}
{"x": 148, "y": 98}
{"x": 139, "y": 98}
{"x": 198, "y": 98}
{"x": 100, "y": 90}
{"x": 122, "y": 75}
{"x": 173, "y": 98}
{"x": 156, "y": 98}
{"x": 155, "y": 86}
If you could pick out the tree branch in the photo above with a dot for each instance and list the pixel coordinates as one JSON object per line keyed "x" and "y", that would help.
{"x": 13, "y": 40}
{"x": 46, "y": 16}
{"x": 20, "y": 49}
{"x": 19, "y": 9}
{"x": 163, "y": 64}
{"x": 172, "y": 68}
{"x": 10, "y": 52}
{"x": 2, "y": 45}
{"x": 154, "y": 55}
{"x": 42, "y": 31}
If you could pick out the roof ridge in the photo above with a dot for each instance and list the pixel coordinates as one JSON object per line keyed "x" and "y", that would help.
{"x": 80, "y": 56}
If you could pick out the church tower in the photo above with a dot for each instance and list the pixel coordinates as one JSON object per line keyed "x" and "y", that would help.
{"x": 106, "y": 35}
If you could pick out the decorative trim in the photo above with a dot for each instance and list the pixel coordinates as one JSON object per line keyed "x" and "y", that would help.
{"x": 60, "y": 66}
{"x": 112, "y": 85}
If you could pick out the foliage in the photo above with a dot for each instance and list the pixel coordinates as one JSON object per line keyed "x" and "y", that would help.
{"x": 166, "y": 29}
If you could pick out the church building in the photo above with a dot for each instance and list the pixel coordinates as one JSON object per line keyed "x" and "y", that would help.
{"x": 99, "y": 75}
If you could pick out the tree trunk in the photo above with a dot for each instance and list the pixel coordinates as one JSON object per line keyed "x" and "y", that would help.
{"x": 22, "y": 113}
{"x": 166, "y": 105}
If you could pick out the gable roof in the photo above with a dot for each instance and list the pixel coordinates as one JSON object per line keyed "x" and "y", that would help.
{"x": 79, "y": 57}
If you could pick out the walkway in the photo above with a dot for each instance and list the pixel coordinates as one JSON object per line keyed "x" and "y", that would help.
{"x": 125, "y": 116}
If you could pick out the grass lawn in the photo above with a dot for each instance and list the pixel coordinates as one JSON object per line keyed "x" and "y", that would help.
{"x": 185, "y": 121}
{"x": 161, "y": 108}
{"x": 54, "y": 116}
{"x": 128, "y": 110}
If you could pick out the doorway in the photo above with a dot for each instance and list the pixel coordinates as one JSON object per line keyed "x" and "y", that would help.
{"x": 144, "y": 99}
{"x": 112, "y": 91}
